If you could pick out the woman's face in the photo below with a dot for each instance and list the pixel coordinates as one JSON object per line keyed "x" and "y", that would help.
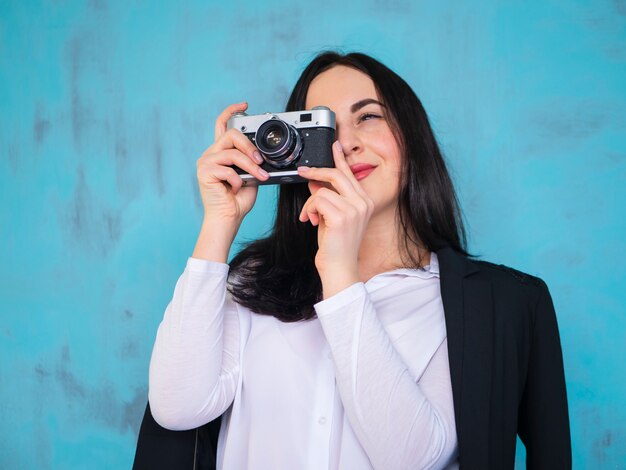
{"x": 368, "y": 143}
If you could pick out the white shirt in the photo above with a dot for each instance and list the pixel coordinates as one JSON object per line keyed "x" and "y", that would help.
{"x": 364, "y": 385}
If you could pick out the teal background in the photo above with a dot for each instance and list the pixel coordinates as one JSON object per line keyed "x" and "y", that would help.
{"x": 106, "y": 105}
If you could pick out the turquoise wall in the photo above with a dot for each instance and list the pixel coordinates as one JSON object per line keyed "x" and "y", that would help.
{"x": 106, "y": 105}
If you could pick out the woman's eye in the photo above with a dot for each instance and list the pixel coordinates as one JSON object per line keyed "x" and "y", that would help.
{"x": 368, "y": 116}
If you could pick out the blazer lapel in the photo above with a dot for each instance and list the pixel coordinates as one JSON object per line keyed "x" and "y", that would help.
{"x": 467, "y": 304}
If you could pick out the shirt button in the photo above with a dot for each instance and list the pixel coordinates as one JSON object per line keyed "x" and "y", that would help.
{"x": 322, "y": 420}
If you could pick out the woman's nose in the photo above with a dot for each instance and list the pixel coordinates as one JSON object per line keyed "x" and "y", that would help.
{"x": 349, "y": 140}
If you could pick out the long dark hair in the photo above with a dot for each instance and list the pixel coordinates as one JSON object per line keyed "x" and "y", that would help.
{"x": 276, "y": 275}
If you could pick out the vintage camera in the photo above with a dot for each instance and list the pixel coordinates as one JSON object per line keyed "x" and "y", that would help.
{"x": 287, "y": 141}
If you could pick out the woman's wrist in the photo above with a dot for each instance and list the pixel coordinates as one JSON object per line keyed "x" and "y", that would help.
{"x": 215, "y": 240}
{"x": 336, "y": 280}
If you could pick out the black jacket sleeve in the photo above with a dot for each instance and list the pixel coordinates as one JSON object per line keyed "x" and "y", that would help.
{"x": 543, "y": 416}
{"x": 159, "y": 448}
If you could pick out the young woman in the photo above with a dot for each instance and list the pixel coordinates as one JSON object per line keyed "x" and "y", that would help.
{"x": 358, "y": 334}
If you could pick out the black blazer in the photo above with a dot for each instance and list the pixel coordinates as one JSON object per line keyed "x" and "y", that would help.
{"x": 506, "y": 369}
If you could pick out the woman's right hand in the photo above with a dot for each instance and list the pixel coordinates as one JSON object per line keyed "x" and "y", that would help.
{"x": 223, "y": 196}
{"x": 226, "y": 202}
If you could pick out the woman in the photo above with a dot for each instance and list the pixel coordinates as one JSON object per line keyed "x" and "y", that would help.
{"x": 358, "y": 334}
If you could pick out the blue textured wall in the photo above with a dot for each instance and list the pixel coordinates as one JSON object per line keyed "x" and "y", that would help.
{"x": 105, "y": 107}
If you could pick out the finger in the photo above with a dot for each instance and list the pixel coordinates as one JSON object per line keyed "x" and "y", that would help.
{"x": 222, "y": 119}
{"x": 235, "y": 157}
{"x": 334, "y": 176}
{"x": 322, "y": 208}
{"x": 315, "y": 186}
{"x": 339, "y": 157}
{"x": 310, "y": 216}
{"x": 338, "y": 202}
{"x": 223, "y": 174}
{"x": 341, "y": 164}
{"x": 233, "y": 138}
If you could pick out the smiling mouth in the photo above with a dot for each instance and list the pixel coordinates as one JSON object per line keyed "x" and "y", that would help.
{"x": 361, "y": 170}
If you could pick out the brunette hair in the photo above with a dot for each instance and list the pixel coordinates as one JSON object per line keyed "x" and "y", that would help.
{"x": 276, "y": 275}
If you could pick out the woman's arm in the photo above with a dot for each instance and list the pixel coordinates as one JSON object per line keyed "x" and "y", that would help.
{"x": 400, "y": 423}
{"x": 543, "y": 415}
{"x": 194, "y": 368}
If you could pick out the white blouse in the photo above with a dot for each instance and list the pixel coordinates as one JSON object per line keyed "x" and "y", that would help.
{"x": 364, "y": 385}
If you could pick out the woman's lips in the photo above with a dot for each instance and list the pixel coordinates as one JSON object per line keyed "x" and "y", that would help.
{"x": 361, "y": 170}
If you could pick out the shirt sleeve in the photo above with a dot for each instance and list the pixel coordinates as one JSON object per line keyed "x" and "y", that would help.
{"x": 400, "y": 423}
{"x": 194, "y": 369}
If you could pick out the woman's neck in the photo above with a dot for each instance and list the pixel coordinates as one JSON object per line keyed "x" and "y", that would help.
{"x": 380, "y": 249}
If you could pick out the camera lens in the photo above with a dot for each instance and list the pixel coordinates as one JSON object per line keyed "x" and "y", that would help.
{"x": 278, "y": 142}
{"x": 273, "y": 138}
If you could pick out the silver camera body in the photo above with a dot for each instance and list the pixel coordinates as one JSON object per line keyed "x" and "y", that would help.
{"x": 287, "y": 141}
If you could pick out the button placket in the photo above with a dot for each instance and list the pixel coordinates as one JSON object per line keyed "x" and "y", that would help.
{"x": 323, "y": 410}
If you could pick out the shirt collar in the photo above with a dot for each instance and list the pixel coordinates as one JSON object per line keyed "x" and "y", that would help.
{"x": 429, "y": 271}
{"x": 433, "y": 267}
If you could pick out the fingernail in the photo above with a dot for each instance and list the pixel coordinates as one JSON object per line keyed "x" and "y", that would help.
{"x": 304, "y": 169}
{"x": 257, "y": 156}
{"x": 264, "y": 173}
{"x": 338, "y": 146}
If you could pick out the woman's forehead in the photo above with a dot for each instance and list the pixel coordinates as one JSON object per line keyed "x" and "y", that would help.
{"x": 339, "y": 88}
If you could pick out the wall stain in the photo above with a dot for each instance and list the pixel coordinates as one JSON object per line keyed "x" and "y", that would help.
{"x": 121, "y": 146}
{"x": 564, "y": 256}
{"x": 128, "y": 177}
{"x": 617, "y": 52}
{"x": 570, "y": 125}
{"x": 117, "y": 414}
{"x": 157, "y": 151}
{"x": 80, "y": 205}
{"x": 565, "y": 122}
{"x": 602, "y": 444}
{"x": 98, "y": 5}
{"x": 394, "y": 7}
{"x": 13, "y": 155}
{"x": 103, "y": 405}
{"x": 280, "y": 94}
{"x": 92, "y": 226}
{"x": 99, "y": 404}
{"x": 40, "y": 409}
{"x": 123, "y": 179}
{"x": 620, "y": 6}
{"x": 277, "y": 32}
{"x": 616, "y": 157}
{"x": 41, "y": 125}
{"x": 113, "y": 224}
{"x": 78, "y": 108}
{"x": 69, "y": 383}
{"x": 129, "y": 349}
{"x": 41, "y": 372}
{"x": 283, "y": 32}
{"x": 132, "y": 412}
{"x": 128, "y": 314}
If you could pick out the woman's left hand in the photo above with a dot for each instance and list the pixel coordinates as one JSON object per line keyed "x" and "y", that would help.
{"x": 341, "y": 210}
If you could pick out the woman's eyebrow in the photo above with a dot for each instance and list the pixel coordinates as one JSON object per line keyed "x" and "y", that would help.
{"x": 359, "y": 104}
